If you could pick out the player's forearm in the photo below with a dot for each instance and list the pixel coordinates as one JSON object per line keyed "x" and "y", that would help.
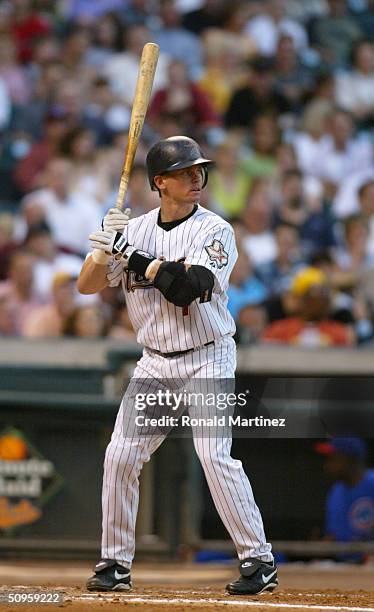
{"x": 93, "y": 277}
{"x": 152, "y": 269}
{"x": 154, "y": 266}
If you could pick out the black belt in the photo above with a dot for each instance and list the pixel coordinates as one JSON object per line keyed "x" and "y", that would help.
{"x": 178, "y": 353}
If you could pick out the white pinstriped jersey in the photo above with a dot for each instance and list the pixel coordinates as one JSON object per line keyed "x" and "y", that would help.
{"x": 204, "y": 239}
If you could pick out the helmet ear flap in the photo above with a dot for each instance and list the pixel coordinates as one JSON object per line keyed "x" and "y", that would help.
{"x": 205, "y": 175}
{"x": 154, "y": 187}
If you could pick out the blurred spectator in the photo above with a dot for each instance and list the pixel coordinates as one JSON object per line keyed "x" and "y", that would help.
{"x": 366, "y": 198}
{"x": 267, "y": 27}
{"x": 84, "y": 11}
{"x": 85, "y": 322}
{"x": 48, "y": 320}
{"x": 136, "y": 12}
{"x": 239, "y": 230}
{"x": 251, "y": 324}
{"x": 76, "y": 44}
{"x": 27, "y": 26}
{"x": 261, "y": 161}
{"x": 354, "y": 256}
{"x": 245, "y": 289}
{"x": 277, "y": 274}
{"x": 228, "y": 185}
{"x": 227, "y": 50}
{"x": 104, "y": 114}
{"x": 312, "y": 325}
{"x": 106, "y": 40}
{"x": 121, "y": 327}
{"x": 48, "y": 260}
{"x": 70, "y": 215}
{"x": 140, "y": 198}
{"x": 234, "y": 16}
{"x": 323, "y": 89}
{"x": 257, "y": 97}
{"x": 285, "y": 160}
{"x": 18, "y": 289}
{"x": 7, "y": 322}
{"x": 13, "y": 75}
{"x": 311, "y": 141}
{"x": 28, "y": 172}
{"x": 7, "y": 244}
{"x": 88, "y": 177}
{"x": 349, "y": 304}
{"x": 293, "y": 80}
{"x": 5, "y": 105}
{"x": 46, "y": 49}
{"x": 183, "y": 98}
{"x": 259, "y": 242}
{"x": 344, "y": 154}
{"x": 366, "y": 206}
{"x": 350, "y": 500}
{"x": 286, "y": 157}
{"x": 302, "y": 11}
{"x": 222, "y": 70}
{"x": 14, "y": 147}
{"x": 176, "y": 41}
{"x": 122, "y": 68}
{"x": 365, "y": 19}
{"x": 71, "y": 99}
{"x": 347, "y": 199}
{"x": 335, "y": 33}
{"x": 355, "y": 88}
{"x": 207, "y": 16}
{"x": 315, "y": 223}
{"x": 112, "y": 159}
{"x": 31, "y": 118}
{"x": 170, "y": 124}
{"x": 246, "y": 295}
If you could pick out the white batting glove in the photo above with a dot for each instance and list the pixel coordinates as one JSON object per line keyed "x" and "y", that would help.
{"x": 112, "y": 243}
{"x": 101, "y": 240}
{"x": 116, "y": 219}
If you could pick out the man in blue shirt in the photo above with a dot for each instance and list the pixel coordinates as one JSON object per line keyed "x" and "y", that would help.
{"x": 350, "y": 501}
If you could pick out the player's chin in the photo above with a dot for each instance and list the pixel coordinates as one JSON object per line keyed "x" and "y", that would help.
{"x": 194, "y": 194}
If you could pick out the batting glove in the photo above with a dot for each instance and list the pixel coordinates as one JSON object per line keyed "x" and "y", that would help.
{"x": 116, "y": 220}
{"x": 112, "y": 243}
{"x": 115, "y": 243}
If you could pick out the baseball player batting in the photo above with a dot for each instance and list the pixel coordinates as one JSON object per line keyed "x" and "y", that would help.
{"x": 174, "y": 264}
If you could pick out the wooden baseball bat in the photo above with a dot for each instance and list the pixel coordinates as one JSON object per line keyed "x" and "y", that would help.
{"x": 147, "y": 69}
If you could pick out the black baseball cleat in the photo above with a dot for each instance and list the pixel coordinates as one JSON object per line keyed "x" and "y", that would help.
{"x": 109, "y": 576}
{"x": 255, "y": 577}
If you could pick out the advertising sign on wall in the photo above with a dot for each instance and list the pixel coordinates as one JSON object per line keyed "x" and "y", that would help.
{"x": 27, "y": 480}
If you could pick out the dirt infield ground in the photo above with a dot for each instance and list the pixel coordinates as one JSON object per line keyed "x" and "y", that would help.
{"x": 182, "y": 587}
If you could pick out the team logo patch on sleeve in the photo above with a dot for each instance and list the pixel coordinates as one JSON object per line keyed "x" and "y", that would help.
{"x": 217, "y": 254}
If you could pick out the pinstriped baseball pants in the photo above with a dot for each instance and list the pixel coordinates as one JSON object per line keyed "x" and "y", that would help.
{"x": 129, "y": 449}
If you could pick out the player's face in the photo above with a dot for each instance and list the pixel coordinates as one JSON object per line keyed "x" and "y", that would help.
{"x": 337, "y": 466}
{"x": 315, "y": 304}
{"x": 183, "y": 185}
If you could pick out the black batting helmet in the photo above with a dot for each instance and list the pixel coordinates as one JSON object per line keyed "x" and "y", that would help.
{"x": 174, "y": 153}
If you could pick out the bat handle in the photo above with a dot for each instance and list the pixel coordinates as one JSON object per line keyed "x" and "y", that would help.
{"x": 122, "y": 190}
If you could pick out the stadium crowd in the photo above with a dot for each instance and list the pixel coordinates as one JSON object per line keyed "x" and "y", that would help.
{"x": 279, "y": 92}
